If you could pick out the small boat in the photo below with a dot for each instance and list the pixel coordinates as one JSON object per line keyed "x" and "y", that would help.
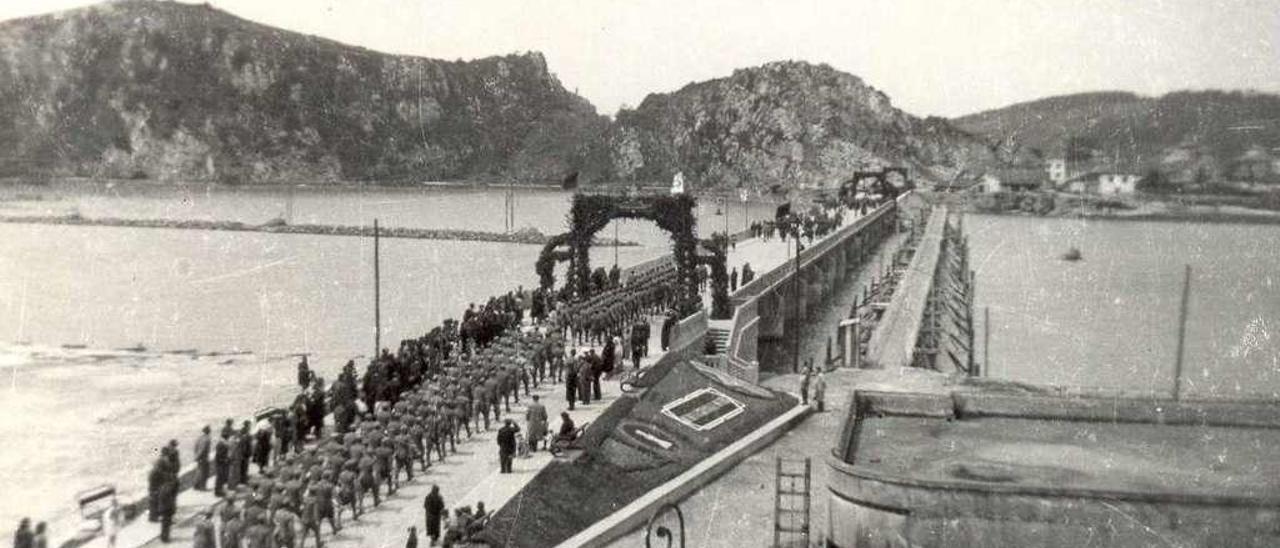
{"x": 1072, "y": 255}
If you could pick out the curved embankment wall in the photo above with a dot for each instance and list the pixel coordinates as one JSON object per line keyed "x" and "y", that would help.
{"x": 873, "y": 504}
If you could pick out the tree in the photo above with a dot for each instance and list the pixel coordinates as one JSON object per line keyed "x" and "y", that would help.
{"x": 1152, "y": 181}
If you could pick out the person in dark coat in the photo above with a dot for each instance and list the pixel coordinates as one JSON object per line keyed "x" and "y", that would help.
{"x": 597, "y": 371}
{"x": 167, "y": 501}
{"x": 23, "y": 537}
{"x": 235, "y": 455}
{"x": 262, "y": 448}
{"x": 585, "y": 373}
{"x": 733, "y": 280}
{"x": 433, "y": 505}
{"x": 571, "y": 384}
{"x": 155, "y": 483}
{"x": 221, "y": 465}
{"x": 201, "y": 452}
{"x": 412, "y": 541}
{"x": 608, "y": 356}
{"x": 304, "y": 374}
{"x": 667, "y": 324}
{"x": 507, "y": 444}
{"x": 246, "y": 450}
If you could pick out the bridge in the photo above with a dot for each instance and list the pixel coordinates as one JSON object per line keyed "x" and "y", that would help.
{"x": 775, "y": 304}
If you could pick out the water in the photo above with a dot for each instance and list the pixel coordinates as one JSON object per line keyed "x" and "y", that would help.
{"x": 73, "y": 419}
{"x": 111, "y": 287}
{"x": 1110, "y": 321}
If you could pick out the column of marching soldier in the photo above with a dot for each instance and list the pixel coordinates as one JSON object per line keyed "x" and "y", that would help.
{"x": 405, "y": 409}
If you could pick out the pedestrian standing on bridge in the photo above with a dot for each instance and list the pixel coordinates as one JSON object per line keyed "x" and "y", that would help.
{"x": 434, "y": 507}
{"x": 203, "y": 444}
{"x": 820, "y": 390}
{"x": 507, "y": 445}
{"x": 571, "y": 381}
{"x": 804, "y": 386}
{"x": 733, "y": 279}
{"x": 536, "y": 421}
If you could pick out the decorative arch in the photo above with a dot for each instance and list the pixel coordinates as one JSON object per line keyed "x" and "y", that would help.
{"x": 590, "y": 213}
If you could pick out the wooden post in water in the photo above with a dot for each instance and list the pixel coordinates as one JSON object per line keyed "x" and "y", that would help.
{"x": 1182, "y": 333}
{"x": 377, "y": 296}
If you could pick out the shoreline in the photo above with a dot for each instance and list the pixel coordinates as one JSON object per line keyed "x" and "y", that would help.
{"x": 1258, "y": 217}
{"x": 528, "y": 237}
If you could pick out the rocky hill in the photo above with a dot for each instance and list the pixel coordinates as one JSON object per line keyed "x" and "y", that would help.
{"x": 158, "y": 90}
{"x": 782, "y": 123}
{"x": 1138, "y": 130}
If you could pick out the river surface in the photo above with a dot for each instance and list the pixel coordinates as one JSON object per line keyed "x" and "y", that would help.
{"x": 114, "y": 287}
{"x": 1110, "y": 321}
{"x": 220, "y": 313}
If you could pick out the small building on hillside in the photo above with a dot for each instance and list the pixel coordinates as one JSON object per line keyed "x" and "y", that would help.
{"x": 1057, "y": 168}
{"x": 1103, "y": 183}
{"x": 1014, "y": 179}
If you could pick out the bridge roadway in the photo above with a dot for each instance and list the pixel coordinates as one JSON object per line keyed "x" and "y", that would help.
{"x": 465, "y": 478}
{"x": 736, "y": 509}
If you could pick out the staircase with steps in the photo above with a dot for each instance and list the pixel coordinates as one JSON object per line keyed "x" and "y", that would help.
{"x": 719, "y": 332}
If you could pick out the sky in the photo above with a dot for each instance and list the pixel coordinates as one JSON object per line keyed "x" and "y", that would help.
{"x": 932, "y": 57}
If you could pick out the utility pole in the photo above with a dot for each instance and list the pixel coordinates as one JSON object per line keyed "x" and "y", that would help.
{"x": 1182, "y": 334}
{"x": 795, "y": 349}
{"x": 377, "y": 296}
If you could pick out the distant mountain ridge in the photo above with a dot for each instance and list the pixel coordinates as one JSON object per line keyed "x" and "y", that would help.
{"x": 176, "y": 92}
{"x": 783, "y": 123}
{"x": 1134, "y": 130}
{"x": 171, "y": 91}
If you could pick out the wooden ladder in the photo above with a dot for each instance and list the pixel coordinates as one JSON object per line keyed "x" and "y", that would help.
{"x": 791, "y": 503}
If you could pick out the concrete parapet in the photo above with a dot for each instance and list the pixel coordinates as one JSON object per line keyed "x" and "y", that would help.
{"x": 637, "y": 513}
{"x": 1209, "y": 413}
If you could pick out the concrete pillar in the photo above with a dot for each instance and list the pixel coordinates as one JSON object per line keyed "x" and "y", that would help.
{"x": 802, "y": 304}
{"x": 850, "y": 343}
{"x": 772, "y": 316}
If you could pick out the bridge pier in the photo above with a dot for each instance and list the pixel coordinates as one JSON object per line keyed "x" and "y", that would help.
{"x": 772, "y": 317}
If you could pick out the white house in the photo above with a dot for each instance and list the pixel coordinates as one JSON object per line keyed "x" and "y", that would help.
{"x": 1057, "y": 168}
{"x": 1103, "y": 183}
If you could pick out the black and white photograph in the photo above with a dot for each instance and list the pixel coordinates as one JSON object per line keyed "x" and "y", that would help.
{"x": 640, "y": 273}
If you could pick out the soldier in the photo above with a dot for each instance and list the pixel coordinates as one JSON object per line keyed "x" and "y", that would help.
{"x": 368, "y": 481}
{"x": 324, "y": 492}
{"x": 258, "y": 532}
{"x": 404, "y": 457}
{"x": 480, "y": 407}
{"x": 384, "y": 460}
{"x": 347, "y": 490}
{"x": 232, "y": 527}
{"x": 311, "y": 515}
{"x": 286, "y": 523}
{"x": 416, "y": 435}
